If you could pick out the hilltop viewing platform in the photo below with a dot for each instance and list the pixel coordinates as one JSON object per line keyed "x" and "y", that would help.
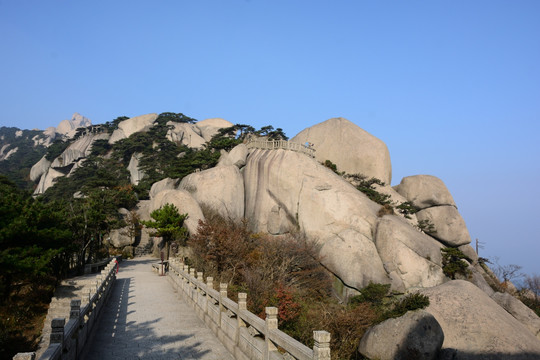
{"x": 281, "y": 144}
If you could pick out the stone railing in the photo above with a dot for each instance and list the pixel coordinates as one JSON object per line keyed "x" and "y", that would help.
{"x": 243, "y": 333}
{"x": 68, "y": 339}
{"x": 281, "y": 144}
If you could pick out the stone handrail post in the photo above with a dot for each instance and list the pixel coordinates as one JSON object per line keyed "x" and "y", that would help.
{"x": 271, "y": 323}
{"x": 321, "y": 346}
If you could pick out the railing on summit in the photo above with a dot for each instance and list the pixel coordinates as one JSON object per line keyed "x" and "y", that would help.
{"x": 281, "y": 144}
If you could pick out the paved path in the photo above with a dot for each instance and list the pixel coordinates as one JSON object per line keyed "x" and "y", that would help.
{"x": 145, "y": 319}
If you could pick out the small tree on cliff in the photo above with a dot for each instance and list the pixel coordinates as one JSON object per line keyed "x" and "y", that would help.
{"x": 168, "y": 224}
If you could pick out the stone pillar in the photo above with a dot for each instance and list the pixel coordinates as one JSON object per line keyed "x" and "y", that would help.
{"x": 222, "y": 295}
{"x": 209, "y": 283}
{"x": 200, "y": 276}
{"x": 57, "y": 332}
{"x": 321, "y": 346}
{"x": 242, "y": 306}
{"x": 75, "y": 310}
{"x": 271, "y": 323}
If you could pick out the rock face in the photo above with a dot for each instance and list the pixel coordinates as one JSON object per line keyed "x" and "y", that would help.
{"x": 130, "y": 126}
{"x": 352, "y": 149}
{"x": 79, "y": 149}
{"x": 449, "y": 226}
{"x": 136, "y": 174}
{"x": 475, "y": 327}
{"x": 186, "y": 134}
{"x": 69, "y": 127}
{"x": 414, "y": 257}
{"x": 425, "y": 191}
{"x": 118, "y": 239}
{"x": 437, "y": 206}
{"x": 185, "y": 204}
{"x": 39, "y": 168}
{"x": 220, "y": 188}
{"x": 47, "y": 180}
{"x": 518, "y": 310}
{"x": 165, "y": 184}
{"x": 210, "y": 127}
{"x": 237, "y": 157}
{"x": 285, "y": 190}
{"x": 415, "y": 336}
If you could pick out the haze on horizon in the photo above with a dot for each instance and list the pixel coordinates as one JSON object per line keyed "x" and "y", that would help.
{"x": 452, "y": 88}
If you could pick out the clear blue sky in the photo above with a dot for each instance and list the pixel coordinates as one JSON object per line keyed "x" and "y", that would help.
{"x": 452, "y": 87}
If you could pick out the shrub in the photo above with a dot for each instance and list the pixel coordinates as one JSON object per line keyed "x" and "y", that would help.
{"x": 426, "y": 226}
{"x": 331, "y": 166}
{"x": 407, "y": 209}
{"x": 373, "y": 293}
{"x": 453, "y": 264}
{"x": 408, "y": 303}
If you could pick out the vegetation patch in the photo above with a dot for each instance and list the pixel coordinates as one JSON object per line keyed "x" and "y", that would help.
{"x": 454, "y": 264}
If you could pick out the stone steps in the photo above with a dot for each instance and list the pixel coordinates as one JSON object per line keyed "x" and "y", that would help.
{"x": 71, "y": 289}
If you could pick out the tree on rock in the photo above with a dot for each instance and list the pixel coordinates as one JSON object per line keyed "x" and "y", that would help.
{"x": 168, "y": 224}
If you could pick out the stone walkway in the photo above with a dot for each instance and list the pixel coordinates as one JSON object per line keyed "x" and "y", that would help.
{"x": 145, "y": 319}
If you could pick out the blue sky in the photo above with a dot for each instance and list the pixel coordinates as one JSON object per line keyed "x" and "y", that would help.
{"x": 453, "y": 87}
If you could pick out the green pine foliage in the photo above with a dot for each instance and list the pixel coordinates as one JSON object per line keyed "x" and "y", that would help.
{"x": 454, "y": 264}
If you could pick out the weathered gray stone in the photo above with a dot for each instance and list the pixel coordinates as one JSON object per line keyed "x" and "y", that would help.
{"x": 518, "y": 310}
{"x": 165, "y": 184}
{"x": 220, "y": 188}
{"x": 236, "y": 157}
{"x": 130, "y": 126}
{"x": 469, "y": 252}
{"x": 288, "y": 190}
{"x": 396, "y": 200}
{"x": 476, "y": 327}
{"x": 425, "y": 191}
{"x": 352, "y": 149}
{"x": 119, "y": 238}
{"x": 136, "y": 174}
{"x": 416, "y": 335}
{"x": 186, "y": 134}
{"x": 414, "y": 256}
{"x": 69, "y": 127}
{"x": 183, "y": 201}
{"x": 47, "y": 180}
{"x": 79, "y": 149}
{"x": 39, "y": 168}
{"x": 210, "y": 127}
{"x": 449, "y": 226}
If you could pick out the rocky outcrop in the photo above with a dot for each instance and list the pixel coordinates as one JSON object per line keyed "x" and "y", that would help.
{"x": 186, "y": 134}
{"x": 39, "y": 168}
{"x": 449, "y": 226}
{"x": 130, "y": 126}
{"x": 119, "y": 239}
{"x": 47, "y": 180}
{"x": 476, "y": 327}
{"x": 135, "y": 173}
{"x": 437, "y": 207}
{"x": 519, "y": 311}
{"x": 425, "y": 191}
{"x": 68, "y": 128}
{"x": 165, "y": 184}
{"x": 210, "y": 127}
{"x": 220, "y": 188}
{"x": 414, "y": 257}
{"x": 237, "y": 157}
{"x": 79, "y": 149}
{"x": 6, "y": 152}
{"x": 184, "y": 202}
{"x": 416, "y": 335}
{"x": 287, "y": 190}
{"x": 352, "y": 149}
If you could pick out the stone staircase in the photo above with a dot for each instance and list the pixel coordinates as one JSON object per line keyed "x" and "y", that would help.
{"x": 145, "y": 247}
{"x": 70, "y": 289}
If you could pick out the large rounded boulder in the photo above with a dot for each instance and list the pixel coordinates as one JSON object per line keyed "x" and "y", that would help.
{"x": 414, "y": 257}
{"x": 286, "y": 190}
{"x": 220, "y": 188}
{"x": 425, "y": 191}
{"x": 476, "y": 327}
{"x": 414, "y": 336}
{"x": 352, "y": 149}
{"x": 210, "y": 127}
